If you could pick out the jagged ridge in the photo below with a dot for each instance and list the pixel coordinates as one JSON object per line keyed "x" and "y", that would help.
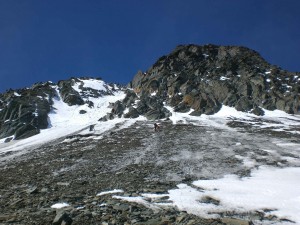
{"x": 196, "y": 79}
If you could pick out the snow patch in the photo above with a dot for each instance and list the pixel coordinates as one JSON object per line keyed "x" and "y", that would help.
{"x": 59, "y": 205}
{"x": 275, "y": 189}
{"x": 224, "y": 78}
{"x": 94, "y": 84}
{"x": 110, "y": 192}
{"x": 267, "y": 188}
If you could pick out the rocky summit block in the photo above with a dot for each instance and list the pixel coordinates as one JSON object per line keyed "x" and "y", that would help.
{"x": 205, "y": 77}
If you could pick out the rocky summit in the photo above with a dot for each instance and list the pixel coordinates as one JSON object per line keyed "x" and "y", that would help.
{"x": 204, "y": 78}
{"x": 207, "y": 135}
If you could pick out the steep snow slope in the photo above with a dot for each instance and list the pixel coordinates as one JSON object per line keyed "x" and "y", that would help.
{"x": 271, "y": 189}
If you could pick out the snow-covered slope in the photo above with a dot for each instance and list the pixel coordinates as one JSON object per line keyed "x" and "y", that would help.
{"x": 64, "y": 120}
{"x": 272, "y": 190}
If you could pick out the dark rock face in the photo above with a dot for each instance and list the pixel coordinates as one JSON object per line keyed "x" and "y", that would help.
{"x": 132, "y": 113}
{"x": 62, "y": 218}
{"x": 68, "y": 94}
{"x": 205, "y": 77}
{"x": 24, "y": 112}
{"x": 151, "y": 107}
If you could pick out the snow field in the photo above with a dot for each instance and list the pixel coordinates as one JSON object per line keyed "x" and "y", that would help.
{"x": 267, "y": 188}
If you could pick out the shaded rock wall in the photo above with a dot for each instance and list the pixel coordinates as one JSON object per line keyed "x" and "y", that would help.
{"x": 24, "y": 112}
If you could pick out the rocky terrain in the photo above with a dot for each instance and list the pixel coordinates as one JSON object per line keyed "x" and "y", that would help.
{"x": 122, "y": 171}
{"x": 136, "y": 160}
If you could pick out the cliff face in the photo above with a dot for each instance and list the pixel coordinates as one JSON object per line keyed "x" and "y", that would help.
{"x": 205, "y": 77}
{"x": 24, "y": 112}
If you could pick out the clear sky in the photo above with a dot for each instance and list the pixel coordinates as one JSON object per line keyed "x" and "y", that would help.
{"x": 44, "y": 40}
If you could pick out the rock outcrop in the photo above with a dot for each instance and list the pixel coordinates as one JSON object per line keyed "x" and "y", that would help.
{"x": 24, "y": 112}
{"x": 203, "y": 78}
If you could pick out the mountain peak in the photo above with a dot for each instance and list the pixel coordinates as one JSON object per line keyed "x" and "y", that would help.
{"x": 203, "y": 78}
{"x": 192, "y": 78}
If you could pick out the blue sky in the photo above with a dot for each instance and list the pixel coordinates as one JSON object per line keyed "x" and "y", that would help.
{"x": 44, "y": 40}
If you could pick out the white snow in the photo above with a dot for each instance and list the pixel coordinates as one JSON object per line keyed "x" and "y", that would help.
{"x": 59, "y": 205}
{"x": 110, "y": 192}
{"x": 90, "y": 83}
{"x": 224, "y": 78}
{"x": 247, "y": 162}
{"x": 267, "y": 72}
{"x": 154, "y": 196}
{"x": 17, "y": 94}
{"x": 94, "y": 84}
{"x": 267, "y": 188}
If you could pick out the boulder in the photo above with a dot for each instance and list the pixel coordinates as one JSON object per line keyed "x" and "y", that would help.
{"x": 258, "y": 111}
{"x": 130, "y": 98}
{"x": 132, "y": 113}
{"x": 62, "y": 218}
{"x": 155, "y": 114}
{"x": 244, "y": 104}
{"x": 25, "y": 131}
{"x": 182, "y": 107}
{"x": 234, "y": 221}
{"x": 118, "y": 108}
{"x": 68, "y": 94}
